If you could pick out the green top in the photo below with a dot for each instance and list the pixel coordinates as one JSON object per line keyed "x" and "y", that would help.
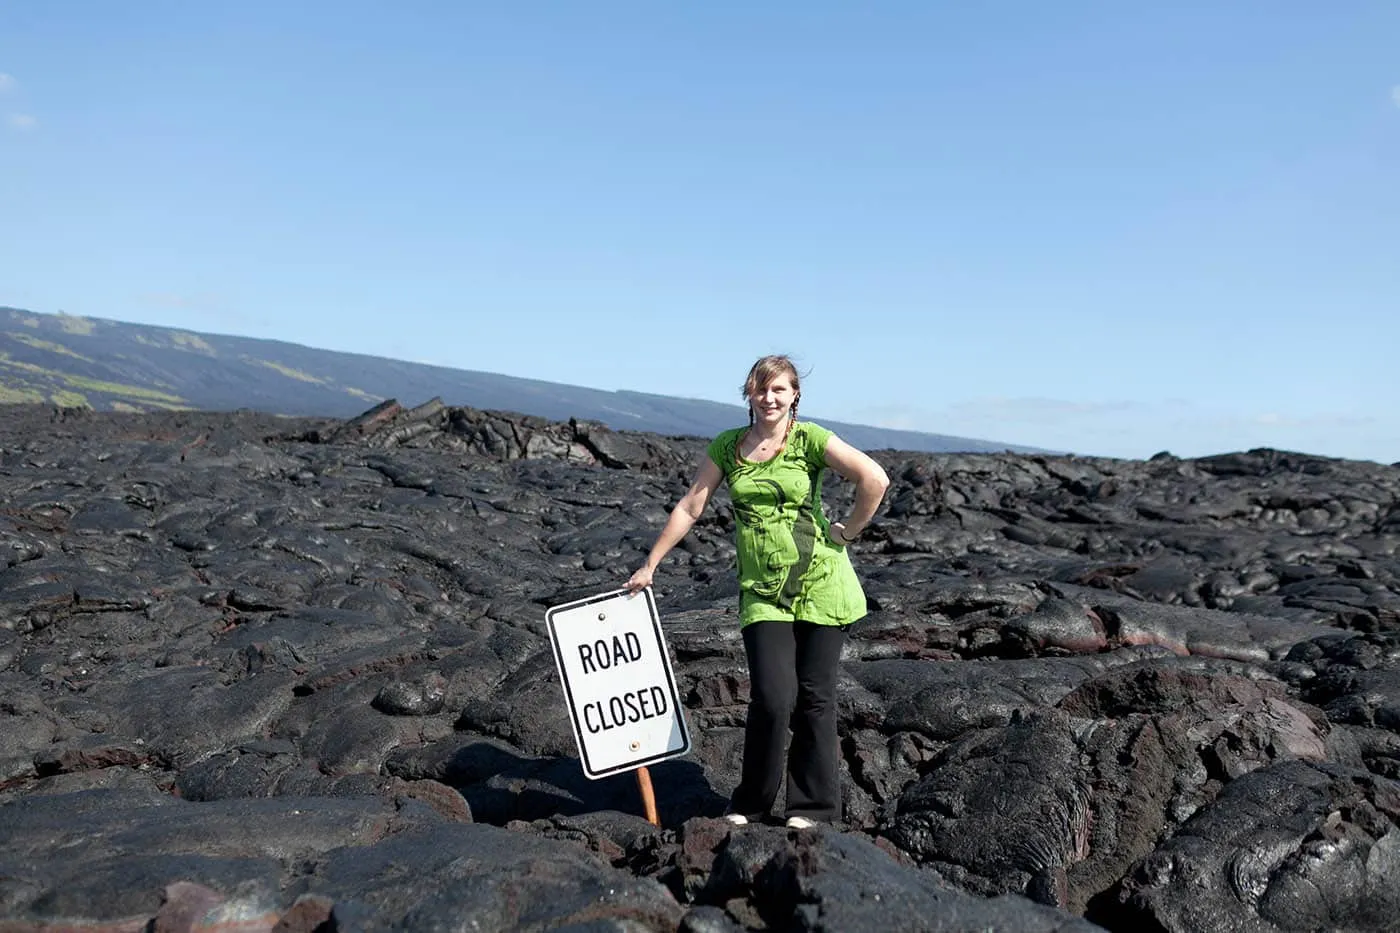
{"x": 789, "y": 568}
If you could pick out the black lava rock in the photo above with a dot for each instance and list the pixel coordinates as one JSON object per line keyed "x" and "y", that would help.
{"x": 259, "y": 671}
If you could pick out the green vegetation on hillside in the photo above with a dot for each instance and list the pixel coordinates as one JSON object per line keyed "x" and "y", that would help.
{"x": 53, "y": 377}
{"x": 363, "y": 395}
{"x": 116, "y": 388}
{"x": 286, "y": 371}
{"x": 72, "y": 324}
{"x": 32, "y": 341}
{"x": 69, "y": 399}
{"x": 9, "y": 395}
{"x": 191, "y": 342}
{"x": 27, "y": 367}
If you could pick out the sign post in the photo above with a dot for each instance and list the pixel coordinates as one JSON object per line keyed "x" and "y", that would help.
{"x": 616, "y": 672}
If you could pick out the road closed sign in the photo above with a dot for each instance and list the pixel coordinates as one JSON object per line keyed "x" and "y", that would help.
{"x": 617, "y": 679}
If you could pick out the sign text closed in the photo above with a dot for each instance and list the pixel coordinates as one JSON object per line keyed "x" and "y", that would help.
{"x": 617, "y": 678}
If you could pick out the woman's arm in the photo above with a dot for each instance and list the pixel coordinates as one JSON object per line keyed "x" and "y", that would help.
{"x": 871, "y": 483}
{"x": 690, "y": 508}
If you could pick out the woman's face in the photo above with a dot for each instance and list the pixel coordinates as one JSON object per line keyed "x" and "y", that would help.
{"x": 772, "y": 402}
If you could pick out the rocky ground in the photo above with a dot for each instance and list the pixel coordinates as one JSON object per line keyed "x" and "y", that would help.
{"x": 260, "y": 673}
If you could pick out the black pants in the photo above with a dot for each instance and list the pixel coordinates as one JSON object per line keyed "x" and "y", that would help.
{"x": 793, "y": 668}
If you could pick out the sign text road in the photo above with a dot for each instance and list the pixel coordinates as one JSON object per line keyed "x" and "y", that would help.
{"x": 622, "y": 697}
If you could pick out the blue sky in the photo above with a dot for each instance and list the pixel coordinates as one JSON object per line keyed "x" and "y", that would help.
{"x": 1105, "y": 227}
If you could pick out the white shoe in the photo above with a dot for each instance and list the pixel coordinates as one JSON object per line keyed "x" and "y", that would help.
{"x": 800, "y": 822}
{"x": 738, "y": 819}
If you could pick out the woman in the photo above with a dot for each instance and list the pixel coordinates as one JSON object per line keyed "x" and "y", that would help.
{"x": 798, "y": 593}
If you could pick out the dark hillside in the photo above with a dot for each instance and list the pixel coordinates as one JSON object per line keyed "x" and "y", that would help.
{"x": 113, "y": 366}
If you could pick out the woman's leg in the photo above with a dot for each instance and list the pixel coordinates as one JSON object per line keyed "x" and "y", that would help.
{"x": 771, "y": 651}
{"x": 814, "y": 762}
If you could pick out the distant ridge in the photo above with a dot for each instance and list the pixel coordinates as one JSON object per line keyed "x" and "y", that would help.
{"x": 115, "y": 366}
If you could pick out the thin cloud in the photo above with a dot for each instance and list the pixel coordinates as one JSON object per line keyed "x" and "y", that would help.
{"x": 995, "y": 410}
{"x": 1122, "y": 428}
{"x": 15, "y": 121}
{"x": 1273, "y": 419}
{"x": 1036, "y": 410}
{"x": 1395, "y": 95}
{"x": 1196, "y": 417}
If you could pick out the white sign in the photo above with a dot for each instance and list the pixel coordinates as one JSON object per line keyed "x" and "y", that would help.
{"x": 617, "y": 678}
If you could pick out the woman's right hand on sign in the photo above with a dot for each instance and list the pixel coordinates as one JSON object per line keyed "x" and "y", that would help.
{"x": 640, "y": 580}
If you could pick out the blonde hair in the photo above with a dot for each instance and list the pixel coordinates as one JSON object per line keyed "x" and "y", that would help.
{"x": 763, "y": 372}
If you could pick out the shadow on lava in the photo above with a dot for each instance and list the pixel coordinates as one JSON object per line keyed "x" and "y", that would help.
{"x": 500, "y": 785}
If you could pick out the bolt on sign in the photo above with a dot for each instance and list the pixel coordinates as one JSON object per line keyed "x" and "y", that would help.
{"x": 616, "y": 671}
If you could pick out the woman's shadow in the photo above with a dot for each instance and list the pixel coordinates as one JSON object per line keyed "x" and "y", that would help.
{"x": 501, "y": 785}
